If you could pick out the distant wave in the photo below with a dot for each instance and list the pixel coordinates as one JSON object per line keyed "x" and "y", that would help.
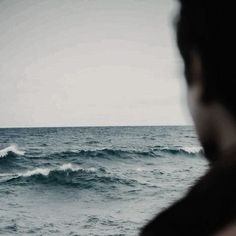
{"x": 69, "y": 174}
{"x": 118, "y": 153}
{"x": 47, "y": 171}
{"x": 11, "y": 151}
{"x": 92, "y": 142}
{"x": 105, "y": 153}
{"x": 181, "y": 150}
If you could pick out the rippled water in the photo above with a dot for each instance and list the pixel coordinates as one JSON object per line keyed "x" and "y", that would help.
{"x": 92, "y": 181}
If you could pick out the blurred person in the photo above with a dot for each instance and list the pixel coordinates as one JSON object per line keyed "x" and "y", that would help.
{"x": 206, "y": 39}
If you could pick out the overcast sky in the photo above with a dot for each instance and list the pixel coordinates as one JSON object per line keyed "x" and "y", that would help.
{"x": 89, "y": 62}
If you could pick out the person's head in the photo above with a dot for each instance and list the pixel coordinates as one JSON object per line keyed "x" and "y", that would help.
{"x": 206, "y": 36}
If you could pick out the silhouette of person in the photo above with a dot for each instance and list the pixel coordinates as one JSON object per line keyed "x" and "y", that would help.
{"x": 206, "y": 39}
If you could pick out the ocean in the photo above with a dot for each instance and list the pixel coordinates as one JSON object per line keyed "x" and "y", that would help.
{"x": 93, "y": 180}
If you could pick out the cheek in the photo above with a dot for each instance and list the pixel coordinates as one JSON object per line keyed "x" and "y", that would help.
{"x": 202, "y": 116}
{"x": 192, "y": 103}
{"x": 196, "y": 110}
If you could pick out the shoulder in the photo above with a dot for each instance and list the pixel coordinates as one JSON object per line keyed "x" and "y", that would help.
{"x": 208, "y": 207}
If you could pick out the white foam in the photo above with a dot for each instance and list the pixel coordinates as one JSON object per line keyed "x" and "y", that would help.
{"x": 192, "y": 150}
{"x": 13, "y": 148}
{"x": 189, "y": 150}
{"x": 139, "y": 169}
{"x": 37, "y": 171}
{"x": 6, "y": 175}
{"x": 46, "y": 171}
{"x": 69, "y": 166}
{"x": 92, "y": 169}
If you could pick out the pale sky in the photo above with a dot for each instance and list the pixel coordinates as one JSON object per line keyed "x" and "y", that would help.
{"x": 90, "y": 62}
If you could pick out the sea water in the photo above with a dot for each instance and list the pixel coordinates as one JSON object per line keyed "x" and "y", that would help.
{"x": 93, "y": 180}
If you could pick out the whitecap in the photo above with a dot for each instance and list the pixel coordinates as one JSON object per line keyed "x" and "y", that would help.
{"x": 37, "y": 171}
{"x": 192, "y": 150}
{"x": 46, "y": 171}
{"x": 11, "y": 149}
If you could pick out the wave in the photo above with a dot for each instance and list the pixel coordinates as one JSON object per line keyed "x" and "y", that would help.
{"x": 193, "y": 150}
{"x": 11, "y": 151}
{"x": 157, "y": 151}
{"x": 92, "y": 142}
{"x": 70, "y": 175}
{"x": 47, "y": 171}
{"x": 104, "y": 153}
{"x": 181, "y": 150}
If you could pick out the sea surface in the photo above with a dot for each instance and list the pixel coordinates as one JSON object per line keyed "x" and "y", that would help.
{"x": 93, "y": 180}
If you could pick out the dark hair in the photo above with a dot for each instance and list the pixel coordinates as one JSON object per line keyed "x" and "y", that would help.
{"x": 208, "y": 27}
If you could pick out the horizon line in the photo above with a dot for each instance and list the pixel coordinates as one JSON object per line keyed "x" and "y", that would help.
{"x": 94, "y": 126}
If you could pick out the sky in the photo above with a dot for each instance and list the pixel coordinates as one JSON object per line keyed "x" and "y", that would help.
{"x": 90, "y": 63}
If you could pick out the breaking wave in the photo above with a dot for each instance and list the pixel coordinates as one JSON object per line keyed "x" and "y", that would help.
{"x": 69, "y": 174}
{"x": 157, "y": 151}
{"x": 118, "y": 153}
{"x": 182, "y": 150}
{"x": 11, "y": 151}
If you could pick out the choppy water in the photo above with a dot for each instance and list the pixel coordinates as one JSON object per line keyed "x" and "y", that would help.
{"x": 92, "y": 181}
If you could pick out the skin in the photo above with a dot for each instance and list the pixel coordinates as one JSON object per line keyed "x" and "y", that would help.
{"x": 214, "y": 124}
{"x": 228, "y": 231}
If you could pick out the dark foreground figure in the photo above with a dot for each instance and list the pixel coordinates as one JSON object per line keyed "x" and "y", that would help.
{"x": 206, "y": 35}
